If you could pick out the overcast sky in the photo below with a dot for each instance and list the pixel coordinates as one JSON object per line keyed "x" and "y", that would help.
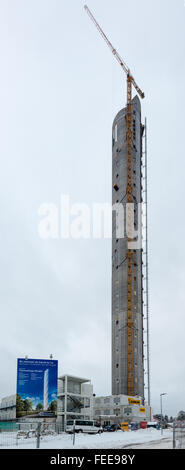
{"x": 60, "y": 89}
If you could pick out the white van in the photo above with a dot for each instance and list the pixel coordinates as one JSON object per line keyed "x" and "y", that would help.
{"x": 83, "y": 426}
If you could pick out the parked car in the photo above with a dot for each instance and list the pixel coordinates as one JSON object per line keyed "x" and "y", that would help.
{"x": 112, "y": 427}
{"x": 153, "y": 424}
{"x": 134, "y": 426}
{"x": 85, "y": 426}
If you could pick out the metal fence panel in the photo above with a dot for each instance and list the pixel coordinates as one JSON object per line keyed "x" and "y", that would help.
{"x": 18, "y": 434}
{"x": 179, "y": 435}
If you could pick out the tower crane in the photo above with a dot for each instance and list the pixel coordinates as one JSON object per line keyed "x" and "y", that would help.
{"x": 129, "y": 192}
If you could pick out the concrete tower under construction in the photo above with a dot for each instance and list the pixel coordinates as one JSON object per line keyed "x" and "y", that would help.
{"x": 120, "y": 332}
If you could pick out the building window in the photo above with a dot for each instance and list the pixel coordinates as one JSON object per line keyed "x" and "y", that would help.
{"x": 106, "y": 412}
{"x": 116, "y": 133}
{"x": 117, "y": 411}
{"x": 107, "y": 400}
{"x": 73, "y": 387}
{"x": 86, "y": 402}
{"x": 116, "y": 400}
{"x": 116, "y": 187}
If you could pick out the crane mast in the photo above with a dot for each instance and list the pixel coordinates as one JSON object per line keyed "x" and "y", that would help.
{"x": 129, "y": 198}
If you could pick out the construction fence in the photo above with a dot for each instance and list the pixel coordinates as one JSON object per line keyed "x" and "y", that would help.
{"x": 16, "y": 435}
{"x": 36, "y": 434}
{"x": 179, "y": 435}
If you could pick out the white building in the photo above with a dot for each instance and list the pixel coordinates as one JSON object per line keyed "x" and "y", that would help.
{"x": 8, "y": 408}
{"x": 117, "y": 408}
{"x": 75, "y": 399}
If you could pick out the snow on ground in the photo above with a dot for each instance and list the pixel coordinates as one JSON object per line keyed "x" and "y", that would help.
{"x": 143, "y": 439}
{"x": 165, "y": 443}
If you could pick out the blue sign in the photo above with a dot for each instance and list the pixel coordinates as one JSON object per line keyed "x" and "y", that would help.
{"x": 36, "y": 387}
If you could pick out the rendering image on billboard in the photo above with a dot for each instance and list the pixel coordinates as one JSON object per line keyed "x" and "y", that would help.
{"x": 36, "y": 387}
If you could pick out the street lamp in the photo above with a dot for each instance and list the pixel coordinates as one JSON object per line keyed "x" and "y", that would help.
{"x": 161, "y": 395}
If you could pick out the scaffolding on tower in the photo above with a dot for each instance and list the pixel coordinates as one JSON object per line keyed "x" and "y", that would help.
{"x": 146, "y": 351}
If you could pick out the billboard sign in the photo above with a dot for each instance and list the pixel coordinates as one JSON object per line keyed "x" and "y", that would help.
{"x": 142, "y": 410}
{"x": 133, "y": 401}
{"x": 36, "y": 387}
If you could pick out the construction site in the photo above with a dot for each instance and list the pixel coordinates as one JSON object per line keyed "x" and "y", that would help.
{"x": 92, "y": 267}
{"x": 129, "y": 400}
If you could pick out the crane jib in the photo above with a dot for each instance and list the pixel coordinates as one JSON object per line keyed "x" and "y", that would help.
{"x": 115, "y": 53}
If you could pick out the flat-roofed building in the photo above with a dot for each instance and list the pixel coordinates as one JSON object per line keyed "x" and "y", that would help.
{"x": 75, "y": 399}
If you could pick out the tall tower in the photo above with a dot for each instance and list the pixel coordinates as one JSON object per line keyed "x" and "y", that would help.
{"x": 119, "y": 259}
{"x": 45, "y": 389}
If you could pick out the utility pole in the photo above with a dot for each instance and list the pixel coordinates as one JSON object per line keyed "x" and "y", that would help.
{"x": 161, "y": 396}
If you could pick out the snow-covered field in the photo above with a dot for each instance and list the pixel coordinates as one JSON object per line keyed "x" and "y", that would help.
{"x": 143, "y": 438}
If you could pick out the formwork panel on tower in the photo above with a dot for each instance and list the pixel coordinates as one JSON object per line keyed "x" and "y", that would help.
{"x": 119, "y": 264}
